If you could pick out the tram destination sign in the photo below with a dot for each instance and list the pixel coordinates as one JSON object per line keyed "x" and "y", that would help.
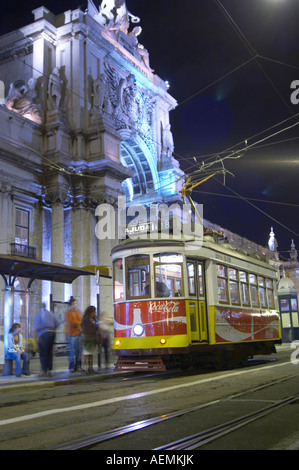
{"x": 158, "y": 226}
{"x": 153, "y": 221}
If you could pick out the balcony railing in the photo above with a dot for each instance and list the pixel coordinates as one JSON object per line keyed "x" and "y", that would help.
{"x": 23, "y": 250}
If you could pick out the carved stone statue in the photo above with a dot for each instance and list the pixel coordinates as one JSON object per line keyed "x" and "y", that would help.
{"x": 142, "y": 51}
{"x": 167, "y": 141}
{"x": 114, "y": 15}
{"x": 272, "y": 243}
{"x": 54, "y": 90}
{"x": 98, "y": 93}
{"x": 22, "y": 99}
{"x": 294, "y": 253}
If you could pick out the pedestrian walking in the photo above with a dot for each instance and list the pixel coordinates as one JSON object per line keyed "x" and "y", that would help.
{"x": 15, "y": 350}
{"x": 45, "y": 325}
{"x": 105, "y": 325}
{"x": 73, "y": 319}
{"x": 89, "y": 337}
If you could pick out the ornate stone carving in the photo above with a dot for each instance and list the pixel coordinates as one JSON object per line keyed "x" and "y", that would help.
{"x": 22, "y": 99}
{"x": 121, "y": 92}
{"x": 128, "y": 107}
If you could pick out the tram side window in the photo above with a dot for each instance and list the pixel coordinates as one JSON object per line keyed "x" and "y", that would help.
{"x": 191, "y": 277}
{"x": 118, "y": 283}
{"x": 254, "y": 290}
{"x": 270, "y": 294}
{"x": 244, "y": 288}
{"x": 222, "y": 283}
{"x": 200, "y": 279}
{"x": 262, "y": 291}
{"x": 137, "y": 276}
{"x": 191, "y": 270}
{"x": 234, "y": 286}
{"x": 168, "y": 275}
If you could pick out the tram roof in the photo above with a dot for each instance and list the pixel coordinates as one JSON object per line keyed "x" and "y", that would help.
{"x": 208, "y": 242}
{"x": 16, "y": 266}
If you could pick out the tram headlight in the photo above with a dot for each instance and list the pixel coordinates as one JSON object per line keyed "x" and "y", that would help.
{"x": 138, "y": 329}
{"x": 117, "y": 342}
{"x": 163, "y": 341}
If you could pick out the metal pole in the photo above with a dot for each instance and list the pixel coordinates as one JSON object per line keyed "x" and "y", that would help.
{"x": 27, "y": 328}
{"x": 8, "y": 321}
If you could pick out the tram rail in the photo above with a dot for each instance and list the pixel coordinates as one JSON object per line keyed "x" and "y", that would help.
{"x": 200, "y": 439}
{"x": 193, "y": 441}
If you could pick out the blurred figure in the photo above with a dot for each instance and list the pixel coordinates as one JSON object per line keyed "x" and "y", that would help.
{"x": 73, "y": 321}
{"x": 45, "y": 325}
{"x": 105, "y": 325}
{"x": 16, "y": 351}
{"x": 89, "y": 341}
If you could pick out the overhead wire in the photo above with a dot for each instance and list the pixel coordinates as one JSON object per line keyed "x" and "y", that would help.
{"x": 248, "y": 139}
{"x": 277, "y": 203}
{"x": 260, "y": 210}
{"x": 180, "y": 157}
{"x": 254, "y": 56}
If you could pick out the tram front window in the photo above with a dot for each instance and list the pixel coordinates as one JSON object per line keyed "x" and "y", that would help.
{"x": 137, "y": 276}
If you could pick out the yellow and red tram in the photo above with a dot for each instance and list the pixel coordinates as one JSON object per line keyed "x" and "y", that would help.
{"x": 178, "y": 305}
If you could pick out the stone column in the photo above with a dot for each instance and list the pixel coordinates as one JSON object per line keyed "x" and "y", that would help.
{"x": 57, "y": 246}
{"x": 87, "y": 257}
{"x": 77, "y": 230}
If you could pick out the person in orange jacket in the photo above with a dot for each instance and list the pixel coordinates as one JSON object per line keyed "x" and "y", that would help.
{"x": 73, "y": 321}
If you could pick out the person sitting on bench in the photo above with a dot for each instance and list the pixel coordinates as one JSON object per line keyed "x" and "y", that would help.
{"x": 16, "y": 351}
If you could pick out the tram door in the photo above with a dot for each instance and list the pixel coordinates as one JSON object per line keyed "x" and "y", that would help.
{"x": 197, "y": 301}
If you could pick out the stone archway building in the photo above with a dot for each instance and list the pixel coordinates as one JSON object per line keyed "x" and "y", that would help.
{"x": 85, "y": 120}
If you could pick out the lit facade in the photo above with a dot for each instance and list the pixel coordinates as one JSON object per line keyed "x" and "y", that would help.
{"x": 85, "y": 120}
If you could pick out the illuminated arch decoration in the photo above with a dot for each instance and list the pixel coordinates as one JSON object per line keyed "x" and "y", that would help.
{"x": 144, "y": 185}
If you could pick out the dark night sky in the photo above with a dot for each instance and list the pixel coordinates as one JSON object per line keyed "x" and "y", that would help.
{"x": 196, "y": 48}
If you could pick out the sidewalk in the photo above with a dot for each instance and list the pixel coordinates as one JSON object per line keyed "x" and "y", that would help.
{"x": 280, "y": 347}
{"x": 60, "y": 372}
